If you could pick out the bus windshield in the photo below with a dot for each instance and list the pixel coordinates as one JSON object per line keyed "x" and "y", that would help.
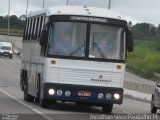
{"x": 106, "y": 42}
{"x": 67, "y": 39}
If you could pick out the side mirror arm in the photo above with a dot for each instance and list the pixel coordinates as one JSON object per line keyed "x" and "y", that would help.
{"x": 129, "y": 42}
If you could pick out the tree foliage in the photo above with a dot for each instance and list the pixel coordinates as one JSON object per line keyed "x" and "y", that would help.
{"x": 144, "y": 31}
{"x": 158, "y": 30}
{"x": 15, "y": 22}
{"x": 145, "y": 59}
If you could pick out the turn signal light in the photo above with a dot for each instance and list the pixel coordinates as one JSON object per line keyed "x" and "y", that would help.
{"x": 119, "y": 67}
{"x": 53, "y": 62}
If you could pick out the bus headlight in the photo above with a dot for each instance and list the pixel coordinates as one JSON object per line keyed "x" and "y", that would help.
{"x": 59, "y": 92}
{"x": 51, "y": 91}
{"x": 116, "y": 96}
{"x": 100, "y": 95}
{"x": 67, "y": 93}
{"x": 108, "y": 96}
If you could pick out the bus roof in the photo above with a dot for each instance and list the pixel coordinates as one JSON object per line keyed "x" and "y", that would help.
{"x": 77, "y": 10}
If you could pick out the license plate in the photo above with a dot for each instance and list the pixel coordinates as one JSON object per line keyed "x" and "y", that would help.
{"x": 84, "y": 93}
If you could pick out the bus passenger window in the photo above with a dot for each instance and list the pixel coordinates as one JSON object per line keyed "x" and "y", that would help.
{"x": 37, "y": 25}
{"x": 30, "y": 30}
{"x": 26, "y": 29}
{"x": 40, "y": 26}
{"x": 33, "y": 29}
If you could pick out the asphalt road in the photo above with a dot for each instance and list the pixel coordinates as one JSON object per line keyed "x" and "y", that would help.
{"x": 11, "y": 100}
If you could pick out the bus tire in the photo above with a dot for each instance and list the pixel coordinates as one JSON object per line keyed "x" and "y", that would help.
{"x": 44, "y": 103}
{"x": 107, "y": 108}
{"x": 80, "y": 104}
{"x": 27, "y": 97}
{"x": 37, "y": 99}
{"x": 21, "y": 80}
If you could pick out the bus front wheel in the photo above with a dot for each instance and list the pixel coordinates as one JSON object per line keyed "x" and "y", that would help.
{"x": 28, "y": 97}
{"x": 37, "y": 99}
{"x": 107, "y": 108}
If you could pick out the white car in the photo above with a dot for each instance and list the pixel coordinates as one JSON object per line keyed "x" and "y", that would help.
{"x": 6, "y": 49}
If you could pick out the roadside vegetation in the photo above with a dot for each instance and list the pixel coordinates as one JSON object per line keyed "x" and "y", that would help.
{"x": 12, "y": 32}
{"x": 145, "y": 60}
{"x": 16, "y": 25}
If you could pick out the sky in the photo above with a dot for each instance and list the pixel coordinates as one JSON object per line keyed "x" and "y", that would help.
{"x": 133, "y": 10}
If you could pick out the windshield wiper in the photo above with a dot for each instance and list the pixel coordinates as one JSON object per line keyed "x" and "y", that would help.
{"x": 99, "y": 50}
{"x": 76, "y": 50}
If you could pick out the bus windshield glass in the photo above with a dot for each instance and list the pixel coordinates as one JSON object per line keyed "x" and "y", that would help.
{"x": 67, "y": 39}
{"x": 106, "y": 42}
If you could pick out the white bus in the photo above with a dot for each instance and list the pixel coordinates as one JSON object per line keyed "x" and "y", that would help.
{"x": 75, "y": 54}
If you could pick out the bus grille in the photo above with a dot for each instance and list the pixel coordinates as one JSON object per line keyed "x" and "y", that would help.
{"x": 84, "y": 77}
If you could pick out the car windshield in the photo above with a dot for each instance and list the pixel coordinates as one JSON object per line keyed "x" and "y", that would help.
{"x": 106, "y": 42}
{"x": 67, "y": 39}
{"x": 6, "y": 48}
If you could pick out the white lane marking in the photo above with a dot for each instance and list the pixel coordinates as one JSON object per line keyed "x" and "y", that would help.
{"x": 24, "y": 104}
{"x": 127, "y": 112}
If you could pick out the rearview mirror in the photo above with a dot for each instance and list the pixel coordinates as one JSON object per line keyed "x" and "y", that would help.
{"x": 44, "y": 38}
{"x": 129, "y": 41}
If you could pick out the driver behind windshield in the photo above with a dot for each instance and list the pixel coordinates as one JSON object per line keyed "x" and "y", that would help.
{"x": 64, "y": 46}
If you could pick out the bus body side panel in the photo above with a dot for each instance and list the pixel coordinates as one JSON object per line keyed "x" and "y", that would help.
{"x": 36, "y": 67}
{"x": 33, "y": 63}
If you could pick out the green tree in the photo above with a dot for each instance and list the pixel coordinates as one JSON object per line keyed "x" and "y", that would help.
{"x": 158, "y": 30}
{"x": 15, "y": 22}
{"x": 144, "y": 31}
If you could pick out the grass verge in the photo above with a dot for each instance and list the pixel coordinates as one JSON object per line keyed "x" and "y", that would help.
{"x": 144, "y": 61}
{"x": 13, "y": 32}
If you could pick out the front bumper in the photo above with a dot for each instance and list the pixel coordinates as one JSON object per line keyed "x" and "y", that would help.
{"x": 74, "y": 97}
{"x": 5, "y": 54}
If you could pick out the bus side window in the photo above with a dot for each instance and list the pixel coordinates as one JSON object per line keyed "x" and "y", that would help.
{"x": 36, "y": 31}
{"x": 40, "y": 26}
{"x": 30, "y": 30}
{"x": 43, "y": 50}
{"x": 33, "y": 29}
{"x": 43, "y": 21}
{"x": 25, "y": 30}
